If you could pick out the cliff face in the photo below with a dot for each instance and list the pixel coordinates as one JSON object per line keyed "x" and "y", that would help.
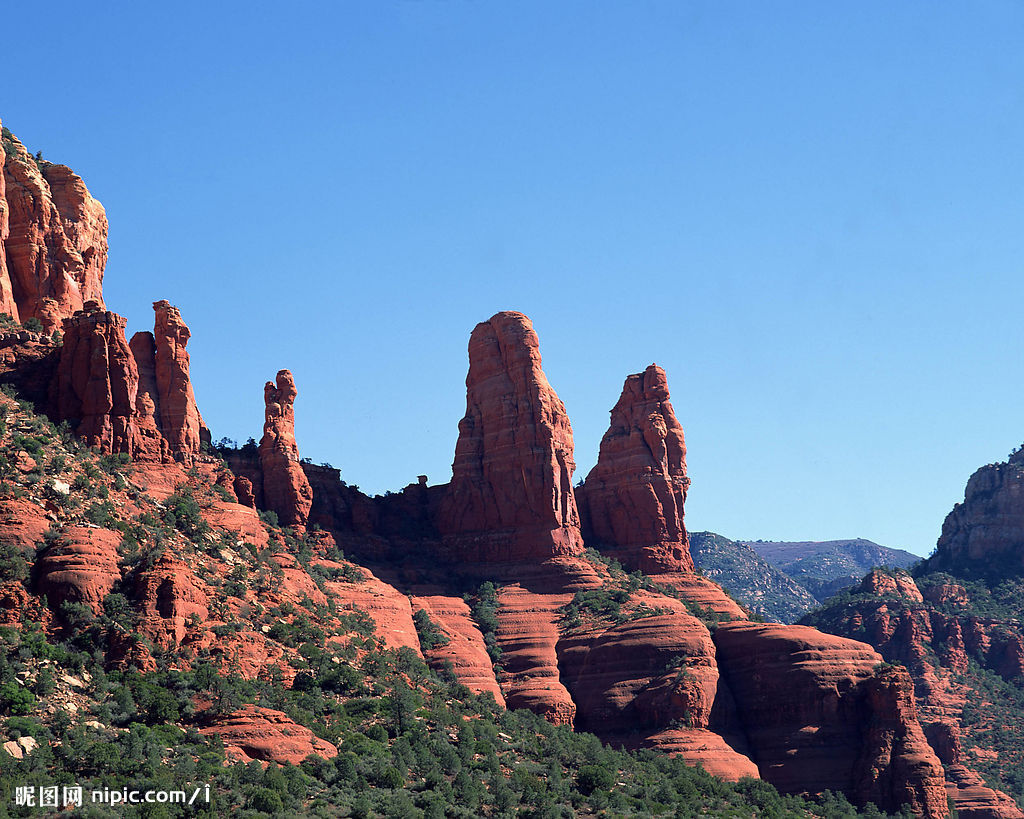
{"x": 983, "y": 533}
{"x": 55, "y": 247}
{"x": 632, "y": 501}
{"x": 511, "y": 497}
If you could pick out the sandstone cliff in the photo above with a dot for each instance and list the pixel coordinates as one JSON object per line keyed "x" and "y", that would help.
{"x": 54, "y": 239}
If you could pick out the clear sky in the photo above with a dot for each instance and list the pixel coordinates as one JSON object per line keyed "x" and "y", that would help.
{"x": 811, "y": 214}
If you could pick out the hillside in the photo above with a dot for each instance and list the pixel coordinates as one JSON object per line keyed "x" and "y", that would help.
{"x": 757, "y": 584}
{"x": 827, "y": 567}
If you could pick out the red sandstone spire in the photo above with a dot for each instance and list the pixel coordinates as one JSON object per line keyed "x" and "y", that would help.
{"x": 286, "y": 489}
{"x": 511, "y": 495}
{"x": 632, "y": 501}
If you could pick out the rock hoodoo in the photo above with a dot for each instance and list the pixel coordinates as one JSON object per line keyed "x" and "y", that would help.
{"x": 179, "y": 418}
{"x": 632, "y": 501}
{"x": 511, "y": 496}
{"x": 54, "y": 236}
{"x": 286, "y": 489}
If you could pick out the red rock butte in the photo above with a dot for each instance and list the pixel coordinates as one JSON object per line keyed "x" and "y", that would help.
{"x": 511, "y": 497}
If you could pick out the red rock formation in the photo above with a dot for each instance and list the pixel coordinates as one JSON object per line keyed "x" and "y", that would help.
{"x": 147, "y": 398}
{"x": 169, "y": 597}
{"x": 389, "y": 609}
{"x": 899, "y": 583}
{"x": 261, "y": 733}
{"x": 23, "y": 523}
{"x": 179, "y": 418}
{"x": 975, "y": 800}
{"x": 18, "y": 606}
{"x": 7, "y": 303}
{"x": 134, "y": 399}
{"x": 97, "y": 381}
{"x": 632, "y": 501}
{"x": 802, "y": 698}
{"x": 936, "y": 646}
{"x": 56, "y": 243}
{"x": 511, "y": 496}
{"x": 898, "y": 767}
{"x": 984, "y": 531}
{"x": 81, "y": 567}
{"x": 465, "y": 649}
{"x": 243, "y": 489}
{"x": 285, "y": 487}
{"x": 528, "y": 634}
{"x": 633, "y": 681}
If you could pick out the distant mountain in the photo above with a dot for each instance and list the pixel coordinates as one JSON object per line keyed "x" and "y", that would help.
{"x": 829, "y": 566}
{"x": 753, "y": 581}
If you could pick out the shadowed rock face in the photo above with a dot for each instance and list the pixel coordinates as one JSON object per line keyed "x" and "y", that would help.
{"x": 632, "y": 501}
{"x": 511, "y": 497}
{"x": 285, "y": 487}
{"x": 55, "y": 239}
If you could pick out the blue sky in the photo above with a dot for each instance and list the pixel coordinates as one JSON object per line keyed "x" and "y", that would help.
{"x": 810, "y": 214}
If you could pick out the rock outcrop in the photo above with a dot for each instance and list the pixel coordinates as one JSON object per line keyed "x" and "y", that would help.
{"x": 286, "y": 489}
{"x": 511, "y": 497}
{"x": 81, "y": 567}
{"x": 134, "y": 399}
{"x": 54, "y": 236}
{"x": 930, "y": 630}
{"x": 897, "y": 766}
{"x": 267, "y": 735}
{"x": 97, "y": 381}
{"x": 632, "y": 501}
{"x": 169, "y": 598}
{"x": 462, "y": 645}
{"x": 982, "y": 536}
{"x": 653, "y": 682}
{"x": 178, "y": 415}
{"x": 818, "y": 716}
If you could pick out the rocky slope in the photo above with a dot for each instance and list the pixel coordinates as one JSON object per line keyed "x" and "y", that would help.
{"x": 750, "y": 578}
